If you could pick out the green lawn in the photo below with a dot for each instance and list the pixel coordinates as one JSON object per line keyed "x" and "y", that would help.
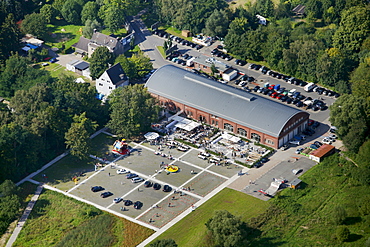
{"x": 60, "y": 174}
{"x": 57, "y": 220}
{"x": 191, "y": 231}
{"x": 69, "y": 36}
{"x": 161, "y": 50}
{"x": 122, "y": 32}
{"x": 102, "y": 144}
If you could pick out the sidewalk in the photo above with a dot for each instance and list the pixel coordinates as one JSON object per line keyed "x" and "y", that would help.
{"x": 24, "y": 217}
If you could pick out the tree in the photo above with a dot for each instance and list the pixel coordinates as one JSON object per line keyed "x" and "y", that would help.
{"x": 217, "y": 24}
{"x": 350, "y": 114}
{"x": 114, "y": 19}
{"x": 342, "y": 233}
{"x": 34, "y": 24}
{"x": 264, "y": 8}
{"x": 89, "y": 12}
{"x": 164, "y": 243}
{"x": 360, "y": 80}
{"x": 99, "y": 61}
{"x": 133, "y": 110}
{"x": 353, "y": 29}
{"x": 48, "y": 12}
{"x": 9, "y": 37}
{"x": 227, "y": 230}
{"x": 338, "y": 215}
{"x": 78, "y": 136}
{"x": 127, "y": 66}
{"x": 71, "y": 12}
{"x": 142, "y": 64}
{"x": 90, "y": 26}
{"x": 8, "y": 188}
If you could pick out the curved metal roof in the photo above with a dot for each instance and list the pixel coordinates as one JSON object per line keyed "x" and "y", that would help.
{"x": 221, "y": 100}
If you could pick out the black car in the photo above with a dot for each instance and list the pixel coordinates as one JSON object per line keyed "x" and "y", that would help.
{"x": 270, "y": 92}
{"x": 214, "y": 51}
{"x": 138, "y": 205}
{"x": 266, "y": 91}
{"x": 242, "y": 63}
{"x": 106, "y": 194}
{"x": 301, "y": 97}
{"x": 148, "y": 184}
{"x": 244, "y": 78}
{"x": 256, "y": 88}
{"x": 185, "y": 56}
{"x": 317, "y": 143}
{"x": 307, "y": 133}
{"x": 336, "y": 95}
{"x": 257, "y": 67}
{"x": 251, "y": 79}
{"x": 295, "y": 101}
{"x": 167, "y": 188}
{"x": 198, "y": 47}
{"x": 289, "y": 100}
{"x": 128, "y": 203}
{"x": 97, "y": 188}
{"x": 237, "y": 81}
{"x": 299, "y": 104}
{"x": 284, "y": 98}
{"x": 131, "y": 175}
{"x": 156, "y": 186}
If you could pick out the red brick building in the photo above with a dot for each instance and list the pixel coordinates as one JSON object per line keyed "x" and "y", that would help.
{"x": 226, "y": 107}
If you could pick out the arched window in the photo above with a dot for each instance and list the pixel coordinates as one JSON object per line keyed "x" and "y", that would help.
{"x": 228, "y": 127}
{"x": 242, "y": 132}
{"x": 256, "y": 137}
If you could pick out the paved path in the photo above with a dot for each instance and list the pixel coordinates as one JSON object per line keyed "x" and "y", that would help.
{"x": 24, "y": 217}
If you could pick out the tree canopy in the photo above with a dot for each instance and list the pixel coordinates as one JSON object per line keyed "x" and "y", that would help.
{"x": 99, "y": 61}
{"x": 133, "y": 110}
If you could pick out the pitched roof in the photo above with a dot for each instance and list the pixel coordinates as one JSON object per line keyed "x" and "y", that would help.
{"x": 116, "y": 74}
{"x": 299, "y": 9}
{"x": 82, "y": 44}
{"x": 208, "y": 61}
{"x": 104, "y": 40}
{"x": 224, "y": 101}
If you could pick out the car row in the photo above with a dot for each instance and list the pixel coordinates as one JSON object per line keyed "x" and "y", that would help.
{"x": 137, "y": 205}
{"x": 157, "y": 186}
{"x": 100, "y": 188}
{"x": 217, "y": 53}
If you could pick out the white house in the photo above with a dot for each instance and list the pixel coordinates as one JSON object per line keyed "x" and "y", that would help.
{"x": 111, "y": 79}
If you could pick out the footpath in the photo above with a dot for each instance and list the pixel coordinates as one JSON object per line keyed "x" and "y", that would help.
{"x": 24, "y": 217}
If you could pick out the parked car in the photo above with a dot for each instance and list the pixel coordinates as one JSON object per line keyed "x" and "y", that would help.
{"x": 122, "y": 171}
{"x": 138, "y": 205}
{"x": 137, "y": 180}
{"x": 128, "y": 203}
{"x": 317, "y": 143}
{"x": 256, "y": 88}
{"x": 297, "y": 171}
{"x": 299, "y": 150}
{"x": 284, "y": 147}
{"x": 156, "y": 186}
{"x": 326, "y": 140}
{"x": 117, "y": 200}
{"x": 106, "y": 194}
{"x": 96, "y": 188}
{"x": 131, "y": 175}
{"x": 53, "y": 60}
{"x": 148, "y": 184}
{"x": 295, "y": 142}
{"x": 167, "y": 188}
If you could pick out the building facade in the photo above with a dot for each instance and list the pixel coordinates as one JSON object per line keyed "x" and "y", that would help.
{"x": 111, "y": 79}
{"x": 225, "y": 107}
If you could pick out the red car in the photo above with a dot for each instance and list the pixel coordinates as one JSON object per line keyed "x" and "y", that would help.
{"x": 310, "y": 122}
{"x": 271, "y": 87}
{"x": 274, "y": 94}
{"x": 279, "y": 96}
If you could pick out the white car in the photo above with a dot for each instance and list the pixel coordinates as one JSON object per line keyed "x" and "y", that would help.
{"x": 122, "y": 171}
{"x": 297, "y": 171}
{"x": 333, "y": 137}
{"x": 117, "y": 200}
{"x": 295, "y": 142}
{"x": 326, "y": 140}
{"x": 201, "y": 156}
{"x": 137, "y": 180}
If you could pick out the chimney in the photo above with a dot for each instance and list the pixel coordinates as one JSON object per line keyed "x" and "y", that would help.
{"x": 122, "y": 76}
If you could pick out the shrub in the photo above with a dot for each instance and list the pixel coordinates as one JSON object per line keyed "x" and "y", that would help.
{"x": 338, "y": 215}
{"x": 342, "y": 233}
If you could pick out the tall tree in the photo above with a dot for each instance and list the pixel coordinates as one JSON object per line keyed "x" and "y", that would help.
{"x": 114, "y": 19}
{"x": 71, "y": 12}
{"x": 89, "y": 12}
{"x": 353, "y": 29}
{"x": 90, "y": 26}
{"x": 128, "y": 66}
{"x": 133, "y": 110}
{"x": 99, "y": 61}
{"x": 142, "y": 64}
{"x": 217, "y": 24}
{"x": 9, "y": 37}
{"x": 78, "y": 136}
{"x": 351, "y": 115}
{"x": 48, "y": 12}
{"x": 34, "y": 24}
{"x": 227, "y": 230}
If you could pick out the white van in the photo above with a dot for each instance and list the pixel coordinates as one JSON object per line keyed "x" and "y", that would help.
{"x": 292, "y": 91}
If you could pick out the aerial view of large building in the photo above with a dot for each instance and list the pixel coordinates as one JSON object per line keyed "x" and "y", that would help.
{"x": 225, "y": 107}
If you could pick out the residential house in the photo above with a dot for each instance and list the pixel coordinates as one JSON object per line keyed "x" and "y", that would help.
{"x": 111, "y": 79}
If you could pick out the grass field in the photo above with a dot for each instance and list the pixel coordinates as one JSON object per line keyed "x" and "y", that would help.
{"x": 305, "y": 217}
{"x": 191, "y": 231}
{"x": 57, "y": 220}
{"x": 61, "y": 33}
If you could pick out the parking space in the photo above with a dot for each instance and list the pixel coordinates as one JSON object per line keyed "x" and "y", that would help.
{"x": 178, "y": 178}
{"x": 283, "y": 170}
{"x": 204, "y": 183}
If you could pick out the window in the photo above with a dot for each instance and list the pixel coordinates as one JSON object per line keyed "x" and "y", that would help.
{"x": 229, "y": 127}
{"x": 269, "y": 141}
{"x": 256, "y": 137}
{"x": 242, "y": 132}
{"x": 110, "y": 87}
{"x": 101, "y": 84}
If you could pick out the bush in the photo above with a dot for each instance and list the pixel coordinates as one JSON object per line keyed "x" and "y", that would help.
{"x": 342, "y": 233}
{"x": 338, "y": 215}
{"x": 164, "y": 243}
